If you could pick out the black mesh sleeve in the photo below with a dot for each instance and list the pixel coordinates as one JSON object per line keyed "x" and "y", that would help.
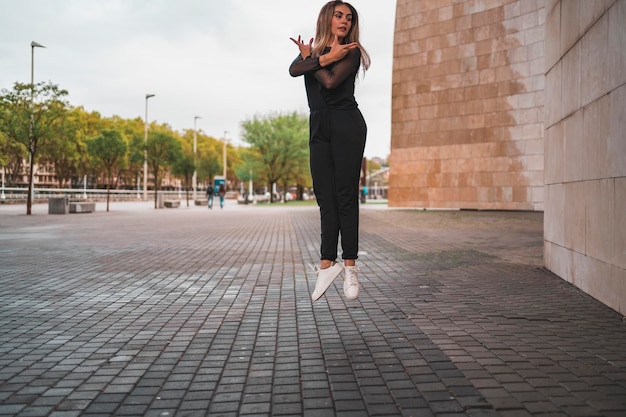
{"x": 301, "y": 66}
{"x": 333, "y": 75}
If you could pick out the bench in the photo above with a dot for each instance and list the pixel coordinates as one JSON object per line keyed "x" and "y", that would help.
{"x": 82, "y": 207}
{"x": 171, "y": 203}
{"x": 58, "y": 205}
{"x": 201, "y": 201}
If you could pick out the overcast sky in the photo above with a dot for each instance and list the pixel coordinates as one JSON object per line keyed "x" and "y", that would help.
{"x": 222, "y": 60}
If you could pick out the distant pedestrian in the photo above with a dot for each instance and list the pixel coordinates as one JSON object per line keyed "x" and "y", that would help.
{"x": 209, "y": 195}
{"x": 337, "y": 137}
{"x": 364, "y": 195}
{"x": 221, "y": 192}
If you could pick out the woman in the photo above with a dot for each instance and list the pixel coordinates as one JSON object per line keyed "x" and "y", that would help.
{"x": 337, "y": 137}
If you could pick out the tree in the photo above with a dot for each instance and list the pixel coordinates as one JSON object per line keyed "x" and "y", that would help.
{"x": 67, "y": 151}
{"x": 163, "y": 150}
{"x": 280, "y": 142}
{"x": 185, "y": 167}
{"x": 4, "y": 159}
{"x": 31, "y": 115}
{"x": 133, "y": 132}
{"x": 249, "y": 169}
{"x": 108, "y": 149}
{"x": 13, "y": 155}
{"x": 209, "y": 157}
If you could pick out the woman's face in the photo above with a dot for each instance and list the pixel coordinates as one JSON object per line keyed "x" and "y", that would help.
{"x": 342, "y": 21}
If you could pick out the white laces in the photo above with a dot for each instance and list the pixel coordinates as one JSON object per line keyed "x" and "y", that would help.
{"x": 351, "y": 275}
{"x": 315, "y": 268}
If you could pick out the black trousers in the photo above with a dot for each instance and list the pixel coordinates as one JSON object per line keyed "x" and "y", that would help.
{"x": 336, "y": 144}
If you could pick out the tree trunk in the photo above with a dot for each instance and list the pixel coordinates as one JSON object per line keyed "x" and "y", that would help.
{"x": 156, "y": 188}
{"x": 29, "y": 198}
{"x": 108, "y": 188}
{"x": 187, "y": 190}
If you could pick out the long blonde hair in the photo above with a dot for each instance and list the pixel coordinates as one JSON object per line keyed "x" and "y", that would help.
{"x": 324, "y": 36}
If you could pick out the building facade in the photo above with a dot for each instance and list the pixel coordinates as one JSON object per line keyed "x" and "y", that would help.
{"x": 468, "y": 96}
{"x": 518, "y": 105}
{"x": 585, "y": 135}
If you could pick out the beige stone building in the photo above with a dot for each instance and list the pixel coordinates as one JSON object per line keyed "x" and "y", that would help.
{"x": 519, "y": 105}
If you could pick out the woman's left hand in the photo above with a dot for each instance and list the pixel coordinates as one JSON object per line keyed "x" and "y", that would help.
{"x": 305, "y": 49}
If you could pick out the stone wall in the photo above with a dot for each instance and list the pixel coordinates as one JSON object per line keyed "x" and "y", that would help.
{"x": 585, "y": 157}
{"x": 519, "y": 104}
{"x": 467, "y": 107}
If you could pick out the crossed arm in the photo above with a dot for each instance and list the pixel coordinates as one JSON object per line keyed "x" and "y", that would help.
{"x": 346, "y": 58}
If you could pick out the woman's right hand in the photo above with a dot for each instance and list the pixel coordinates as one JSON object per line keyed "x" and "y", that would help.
{"x": 337, "y": 51}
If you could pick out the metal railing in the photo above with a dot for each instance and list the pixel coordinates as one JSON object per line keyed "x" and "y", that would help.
{"x": 18, "y": 194}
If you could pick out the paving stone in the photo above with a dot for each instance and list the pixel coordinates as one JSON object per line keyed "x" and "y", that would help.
{"x": 456, "y": 317}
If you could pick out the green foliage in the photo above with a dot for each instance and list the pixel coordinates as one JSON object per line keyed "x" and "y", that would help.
{"x": 208, "y": 157}
{"x": 185, "y": 167}
{"x": 132, "y": 131}
{"x": 4, "y": 160}
{"x": 163, "y": 150}
{"x": 108, "y": 150}
{"x": 209, "y": 166}
{"x": 67, "y": 150}
{"x": 31, "y": 115}
{"x": 250, "y": 166}
{"x": 279, "y": 142}
{"x": 12, "y": 157}
{"x": 58, "y": 136}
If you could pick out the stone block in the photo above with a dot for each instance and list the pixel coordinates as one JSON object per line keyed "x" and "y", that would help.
{"x": 570, "y": 81}
{"x": 58, "y": 205}
{"x": 553, "y": 35}
{"x": 573, "y": 148}
{"x": 590, "y": 11}
{"x": 554, "y": 154}
{"x": 599, "y": 218}
{"x": 569, "y": 24}
{"x": 620, "y": 224}
{"x": 573, "y": 216}
{"x": 617, "y": 45}
{"x": 82, "y": 207}
{"x": 596, "y": 127}
{"x": 594, "y": 58}
{"x": 617, "y": 142}
{"x": 553, "y": 215}
{"x": 171, "y": 203}
{"x": 553, "y": 105}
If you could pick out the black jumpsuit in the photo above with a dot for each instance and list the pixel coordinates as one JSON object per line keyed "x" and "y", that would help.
{"x": 336, "y": 143}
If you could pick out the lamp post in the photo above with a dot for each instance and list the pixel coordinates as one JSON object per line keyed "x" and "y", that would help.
{"x": 31, "y": 127}
{"x": 195, "y": 147}
{"x": 2, "y": 196}
{"x": 145, "y": 152}
{"x": 224, "y": 157}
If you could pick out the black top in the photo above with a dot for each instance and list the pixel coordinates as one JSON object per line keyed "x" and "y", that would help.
{"x": 331, "y": 87}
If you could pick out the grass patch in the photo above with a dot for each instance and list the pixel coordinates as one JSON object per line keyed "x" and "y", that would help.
{"x": 292, "y": 203}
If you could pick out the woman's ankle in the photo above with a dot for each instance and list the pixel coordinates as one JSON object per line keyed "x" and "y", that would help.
{"x": 326, "y": 264}
{"x": 350, "y": 262}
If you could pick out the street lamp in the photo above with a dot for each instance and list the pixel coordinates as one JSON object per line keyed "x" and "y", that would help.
{"x": 145, "y": 152}
{"x": 195, "y": 169}
{"x": 225, "y": 132}
{"x": 31, "y": 129}
{"x": 2, "y": 196}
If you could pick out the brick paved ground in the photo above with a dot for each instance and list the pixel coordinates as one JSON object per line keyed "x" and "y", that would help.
{"x": 186, "y": 312}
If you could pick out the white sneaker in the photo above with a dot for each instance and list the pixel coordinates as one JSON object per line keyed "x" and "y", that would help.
{"x": 325, "y": 277}
{"x": 351, "y": 282}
